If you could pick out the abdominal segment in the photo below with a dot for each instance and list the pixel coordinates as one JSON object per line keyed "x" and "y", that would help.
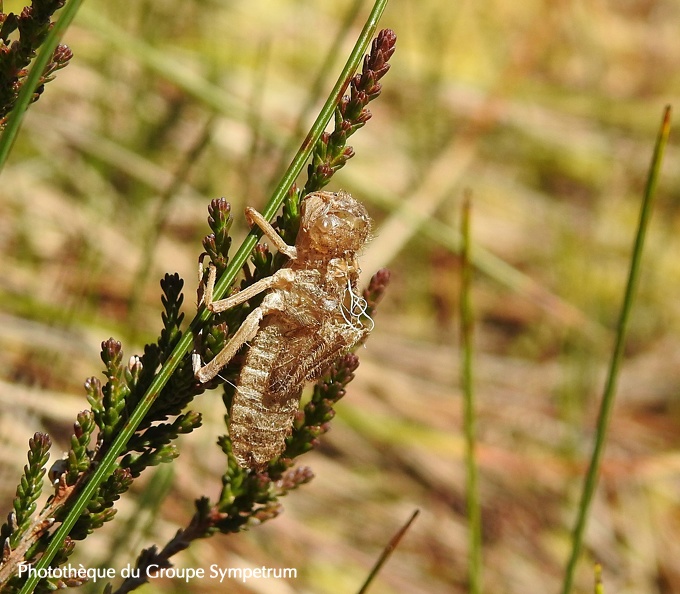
{"x": 261, "y": 417}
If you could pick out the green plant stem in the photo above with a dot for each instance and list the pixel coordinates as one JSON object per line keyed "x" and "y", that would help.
{"x": 387, "y": 551}
{"x": 316, "y": 87}
{"x": 33, "y": 79}
{"x": 607, "y": 403}
{"x": 108, "y": 463}
{"x": 466, "y": 334}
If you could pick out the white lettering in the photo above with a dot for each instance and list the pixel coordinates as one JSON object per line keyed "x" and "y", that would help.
{"x": 68, "y": 571}
{"x": 129, "y": 572}
{"x": 245, "y": 573}
{"x": 150, "y": 569}
{"x": 185, "y": 573}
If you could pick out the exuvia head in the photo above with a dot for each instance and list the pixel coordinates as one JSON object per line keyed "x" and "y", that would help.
{"x": 333, "y": 224}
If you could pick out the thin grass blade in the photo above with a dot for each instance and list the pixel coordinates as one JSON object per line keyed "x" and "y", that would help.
{"x": 32, "y": 80}
{"x": 387, "y": 551}
{"x": 608, "y": 396}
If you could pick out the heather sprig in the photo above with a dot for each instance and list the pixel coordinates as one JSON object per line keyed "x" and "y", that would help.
{"x": 217, "y": 244}
{"x": 79, "y": 456}
{"x": 132, "y": 410}
{"x": 376, "y": 290}
{"x": 27, "y": 492}
{"x": 113, "y": 394}
{"x": 20, "y": 37}
{"x": 246, "y": 499}
{"x": 100, "y": 508}
{"x": 172, "y": 316}
{"x": 25, "y": 536}
{"x": 331, "y": 152}
{"x": 212, "y": 337}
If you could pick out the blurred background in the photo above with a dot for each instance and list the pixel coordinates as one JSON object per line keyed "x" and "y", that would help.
{"x": 544, "y": 113}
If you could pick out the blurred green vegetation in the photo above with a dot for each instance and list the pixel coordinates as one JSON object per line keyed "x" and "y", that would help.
{"x": 545, "y": 112}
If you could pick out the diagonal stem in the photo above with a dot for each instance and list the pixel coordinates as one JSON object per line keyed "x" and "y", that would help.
{"x": 16, "y": 117}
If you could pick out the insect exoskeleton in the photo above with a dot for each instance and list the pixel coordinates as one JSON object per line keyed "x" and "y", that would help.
{"x": 312, "y": 314}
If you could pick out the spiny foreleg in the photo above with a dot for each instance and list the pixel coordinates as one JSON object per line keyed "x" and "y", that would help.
{"x": 255, "y": 218}
{"x": 246, "y": 332}
{"x": 279, "y": 280}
